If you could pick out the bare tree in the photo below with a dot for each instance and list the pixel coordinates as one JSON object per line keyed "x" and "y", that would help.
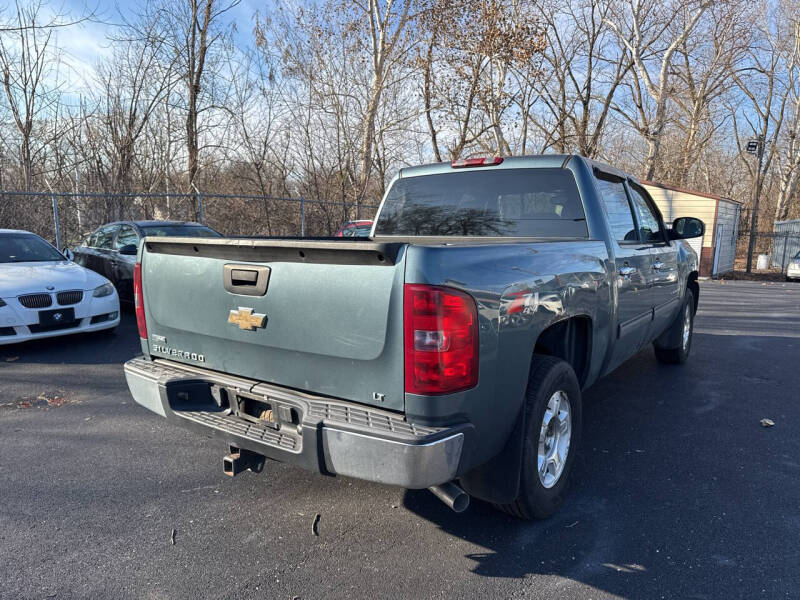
{"x": 477, "y": 60}
{"x": 385, "y": 24}
{"x": 652, "y": 31}
{"x": 585, "y": 67}
{"x": 702, "y": 73}
{"x": 196, "y": 30}
{"x": 789, "y": 158}
{"x": 133, "y": 83}
{"x": 762, "y": 94}
{"x": 28, "y": 62}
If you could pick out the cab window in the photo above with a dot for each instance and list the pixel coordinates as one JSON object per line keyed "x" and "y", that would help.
{"x": 649, "y": 223}
{"x": 617, "y": 208}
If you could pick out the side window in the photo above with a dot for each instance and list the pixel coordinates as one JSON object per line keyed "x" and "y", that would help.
{"x": 126, "y": 236}
{"x": 618, "y": 209}
{"x": 649, "y": 222}
{"x": 105, "y": 236}
{"x": 92, "y": 241}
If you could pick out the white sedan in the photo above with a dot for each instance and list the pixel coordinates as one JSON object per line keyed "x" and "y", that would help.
{"x": 42, "y": 294}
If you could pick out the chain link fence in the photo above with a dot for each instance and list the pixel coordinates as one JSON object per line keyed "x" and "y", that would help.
{"x": 779, "y": 247}
{"x": 64, "y": 218}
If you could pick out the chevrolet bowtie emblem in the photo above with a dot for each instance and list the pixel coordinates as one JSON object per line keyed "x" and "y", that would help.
{"x": 246, "y": 319}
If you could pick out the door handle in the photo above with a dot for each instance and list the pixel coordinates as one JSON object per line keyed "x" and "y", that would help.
{"x": 658, "y": 265}
{"x": 626, "y": 272}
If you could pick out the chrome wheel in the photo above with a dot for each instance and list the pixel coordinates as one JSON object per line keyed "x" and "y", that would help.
{"x": 554, "y": 437}
{"x": 687, "y": 327}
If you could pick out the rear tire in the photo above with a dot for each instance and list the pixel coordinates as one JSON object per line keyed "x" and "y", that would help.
{"x": 682, "y": 326}
{"x": 552, "y": 438}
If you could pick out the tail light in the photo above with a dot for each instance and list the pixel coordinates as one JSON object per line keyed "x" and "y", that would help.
{"x": 138, "y": 297}
{"x": 441, "y": 340}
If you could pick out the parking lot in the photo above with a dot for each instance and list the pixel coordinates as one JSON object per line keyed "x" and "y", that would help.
{"x": 679, "y": 491}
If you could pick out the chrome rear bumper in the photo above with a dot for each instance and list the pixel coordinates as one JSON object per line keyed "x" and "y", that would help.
{"x": 321, "y": 434}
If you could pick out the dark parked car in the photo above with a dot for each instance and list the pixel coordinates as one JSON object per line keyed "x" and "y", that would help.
{"x": 111, "y": 249}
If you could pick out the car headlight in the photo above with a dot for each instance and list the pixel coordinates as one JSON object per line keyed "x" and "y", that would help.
{"x": 104, "y": 290}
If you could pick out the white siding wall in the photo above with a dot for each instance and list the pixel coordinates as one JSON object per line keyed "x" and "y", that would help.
{"x": 674, "y": 204}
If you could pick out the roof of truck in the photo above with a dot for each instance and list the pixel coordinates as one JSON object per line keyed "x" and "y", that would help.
{"x": 510, "y": 162}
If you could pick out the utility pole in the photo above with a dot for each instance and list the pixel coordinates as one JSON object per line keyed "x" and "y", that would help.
{"x": 754, "y": 146}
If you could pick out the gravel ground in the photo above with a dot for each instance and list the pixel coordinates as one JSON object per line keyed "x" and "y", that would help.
{"x": 679, "y": 491}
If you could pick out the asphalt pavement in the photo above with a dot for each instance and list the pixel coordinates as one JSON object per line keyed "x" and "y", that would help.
{"x": 679, "y": 491}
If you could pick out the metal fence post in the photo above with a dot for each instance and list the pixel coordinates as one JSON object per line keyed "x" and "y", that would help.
{"x": 199, "y": 204}
{"x": 302, "y": 217}
{"x": 55, "y": 222}
{"x": 785, "y": 243}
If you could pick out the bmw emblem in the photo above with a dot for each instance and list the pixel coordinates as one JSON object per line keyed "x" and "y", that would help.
{"x": 51, "y": 287}
{"x": 57, "y": 316}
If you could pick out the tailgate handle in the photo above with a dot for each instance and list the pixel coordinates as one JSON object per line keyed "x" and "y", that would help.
{"x": 246, "y": 280}
{"x": 242, "y": 277}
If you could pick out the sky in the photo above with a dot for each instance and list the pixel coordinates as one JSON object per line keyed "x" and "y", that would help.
{"x": 87, "y": 42}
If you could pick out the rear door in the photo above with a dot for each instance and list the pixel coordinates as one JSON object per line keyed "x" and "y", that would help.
{"x": 633, "y": 265}
{"x": 325, "y": 317}
{"x": 664, "y": 276}
{"x": 122, "y": 264}
{"x": 104, "y": 252}
{"x": 85, "y": 252}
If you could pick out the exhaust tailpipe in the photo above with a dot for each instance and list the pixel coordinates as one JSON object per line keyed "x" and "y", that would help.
{"x": 452, "y": 495}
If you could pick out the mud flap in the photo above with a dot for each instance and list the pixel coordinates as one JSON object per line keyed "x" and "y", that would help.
{"x": 498, "y": 479}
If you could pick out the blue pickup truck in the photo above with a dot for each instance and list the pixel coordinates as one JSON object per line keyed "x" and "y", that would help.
{"x": 447, "y": 351}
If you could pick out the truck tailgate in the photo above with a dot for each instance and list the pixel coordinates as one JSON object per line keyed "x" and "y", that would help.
{"x": 333, "y": 312}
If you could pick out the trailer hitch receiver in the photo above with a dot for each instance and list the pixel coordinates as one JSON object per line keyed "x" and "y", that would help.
{"x": 239, "y": 460}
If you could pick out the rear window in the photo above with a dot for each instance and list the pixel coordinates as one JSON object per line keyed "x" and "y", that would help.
{"x": 501, "y": 202}
{"x": 179, "y": 231}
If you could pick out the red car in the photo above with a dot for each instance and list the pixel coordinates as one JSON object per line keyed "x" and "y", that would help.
{"x": 355, "y": 229}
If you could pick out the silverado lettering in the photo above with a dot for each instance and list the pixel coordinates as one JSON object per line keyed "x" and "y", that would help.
{"x": 178, "y": 353}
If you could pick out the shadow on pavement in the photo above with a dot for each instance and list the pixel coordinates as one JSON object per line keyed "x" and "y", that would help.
{"x": 95, "y": 348}
{"x": 678, "y": 490}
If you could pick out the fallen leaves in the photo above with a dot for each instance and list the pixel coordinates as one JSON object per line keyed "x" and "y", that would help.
{"x": 46, "y": 400}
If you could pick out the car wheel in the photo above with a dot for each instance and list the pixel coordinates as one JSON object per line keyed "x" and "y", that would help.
{"x": 683, "y": 328}
{"x": 552, "y": 437}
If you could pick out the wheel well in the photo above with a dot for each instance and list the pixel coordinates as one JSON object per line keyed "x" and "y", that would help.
{"x": 693, "y": 285}
{"x": 571, "y": 341}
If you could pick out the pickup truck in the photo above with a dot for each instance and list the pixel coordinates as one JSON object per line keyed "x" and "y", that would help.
{"x": 447, "y": 351}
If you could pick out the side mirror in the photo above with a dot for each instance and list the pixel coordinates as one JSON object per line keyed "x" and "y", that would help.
{"x": 68, "y": 253}
{"x": 129, "y": 250}
{"x": 684, "y": 228}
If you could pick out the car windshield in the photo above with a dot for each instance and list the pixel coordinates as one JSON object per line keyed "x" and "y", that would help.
{"x": 26, "y": 247}
{"x": 797, "y": 255}
{"x": 541, "y": 202}
{"x": 179, "y": 231}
